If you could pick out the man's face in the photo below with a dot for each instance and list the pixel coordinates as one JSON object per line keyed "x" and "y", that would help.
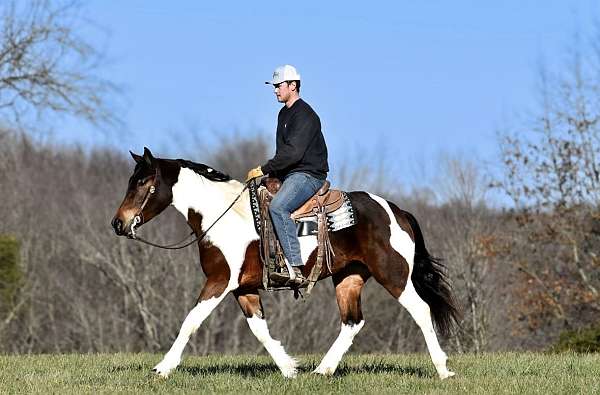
{"x": 282, "y": 91}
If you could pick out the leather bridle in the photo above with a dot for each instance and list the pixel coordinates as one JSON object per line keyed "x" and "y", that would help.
{"x": 139, "y": 217}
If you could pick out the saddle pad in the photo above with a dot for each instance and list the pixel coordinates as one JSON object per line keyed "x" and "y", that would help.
{"x": 339, "y": 219}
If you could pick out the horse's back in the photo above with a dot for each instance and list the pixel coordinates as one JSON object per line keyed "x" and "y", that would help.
{"x": 371, "y": 210}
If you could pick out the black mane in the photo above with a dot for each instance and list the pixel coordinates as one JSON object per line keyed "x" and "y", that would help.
{"x": 204, "y": 171}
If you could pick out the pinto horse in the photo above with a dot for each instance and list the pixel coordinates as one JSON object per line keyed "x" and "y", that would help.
{"x": 386, "y": 243}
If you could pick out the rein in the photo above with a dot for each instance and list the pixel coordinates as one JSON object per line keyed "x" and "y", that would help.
{"x": 137, "y": 219}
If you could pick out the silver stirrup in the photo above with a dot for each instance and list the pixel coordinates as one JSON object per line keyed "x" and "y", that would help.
{"x": 290, "y": 270}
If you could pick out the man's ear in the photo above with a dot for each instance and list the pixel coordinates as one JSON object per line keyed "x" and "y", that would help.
{"x": 148, "y": 156}
{"x": 136, "y": 158}
{"x": 293, "y": 84}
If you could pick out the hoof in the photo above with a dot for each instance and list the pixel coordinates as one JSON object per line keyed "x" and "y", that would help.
{"x": 290, "y": 373}
{"x": 289, "y": 369}
{"x": 164, "y": 369}
{"x": 447, "y": 374}
{"x": 160, "y": 374}
{"x": 324, "y": 371}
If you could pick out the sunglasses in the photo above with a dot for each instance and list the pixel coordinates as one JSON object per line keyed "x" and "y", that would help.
{"x": 278, "y": 85}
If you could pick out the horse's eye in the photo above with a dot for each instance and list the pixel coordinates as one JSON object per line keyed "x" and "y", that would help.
{"x": 140, "y": 183}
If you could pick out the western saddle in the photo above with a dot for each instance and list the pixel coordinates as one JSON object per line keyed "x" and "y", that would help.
{"x": 329, "y": 199}
{"x": 318, "y": 206}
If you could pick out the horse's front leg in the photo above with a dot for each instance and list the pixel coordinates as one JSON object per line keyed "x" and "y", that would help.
{"x": 254, "y": 312}
{"x": 212, "y": 294}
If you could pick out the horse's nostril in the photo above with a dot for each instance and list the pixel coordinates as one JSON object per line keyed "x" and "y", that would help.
{"x": 117, "y": 225}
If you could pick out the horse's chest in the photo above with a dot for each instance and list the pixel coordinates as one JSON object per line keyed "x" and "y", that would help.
{"x": 222, "y": 262}
{"x": 231, "y": 242}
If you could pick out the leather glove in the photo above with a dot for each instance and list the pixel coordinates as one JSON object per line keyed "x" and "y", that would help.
{"x": 254, "y": 173}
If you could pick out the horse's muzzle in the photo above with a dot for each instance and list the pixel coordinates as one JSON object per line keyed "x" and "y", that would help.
{"x": 117, "y": 225}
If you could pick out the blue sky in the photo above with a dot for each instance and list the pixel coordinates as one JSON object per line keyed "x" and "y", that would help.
{"x": 410, "y": 79}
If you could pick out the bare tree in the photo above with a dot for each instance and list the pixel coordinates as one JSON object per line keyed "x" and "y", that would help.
{"x": 47, "y": 67}
{"x": 469, "y": 245}
{"x": 552, "y": 173}
{"x": 235, "y": 155}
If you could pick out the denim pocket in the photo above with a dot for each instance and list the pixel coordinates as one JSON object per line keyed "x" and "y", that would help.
{"x": 306, "y": 182}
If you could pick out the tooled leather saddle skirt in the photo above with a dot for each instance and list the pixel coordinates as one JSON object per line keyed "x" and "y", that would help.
{"x": 328, "y": 210}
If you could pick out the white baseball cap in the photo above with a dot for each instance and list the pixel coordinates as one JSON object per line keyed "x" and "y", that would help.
{"x": 284, "y": 73}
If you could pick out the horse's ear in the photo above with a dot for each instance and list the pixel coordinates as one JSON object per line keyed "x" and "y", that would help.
{"x": 136, "y": 158}
{"x": 148, "y": 156}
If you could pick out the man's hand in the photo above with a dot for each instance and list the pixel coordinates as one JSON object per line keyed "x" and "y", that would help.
{"x": 254, "y": 173}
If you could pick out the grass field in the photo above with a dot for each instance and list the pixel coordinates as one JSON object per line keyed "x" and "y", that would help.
{"x": 487, "y": 373}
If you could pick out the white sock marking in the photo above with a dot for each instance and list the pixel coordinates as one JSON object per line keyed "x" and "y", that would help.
{"x": 286, "y": 364}
{"x": 421, "y": 313}
{"x": 343, "y": 342}
{"x": 191, "y": 323}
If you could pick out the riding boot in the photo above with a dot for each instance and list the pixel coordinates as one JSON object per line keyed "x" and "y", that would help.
{"x": 297, "y": 277}
{"x": 293, "y": 278}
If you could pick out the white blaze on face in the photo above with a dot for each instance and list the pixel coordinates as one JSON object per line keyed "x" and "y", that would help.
{"x": 234, "y": 231}
{"x": 399, "y": 239}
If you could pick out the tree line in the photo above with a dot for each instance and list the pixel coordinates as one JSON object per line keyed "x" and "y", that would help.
{"x": 81, "y": 288}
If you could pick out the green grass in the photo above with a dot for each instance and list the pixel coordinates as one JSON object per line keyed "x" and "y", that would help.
{"x": 130, "y": 373}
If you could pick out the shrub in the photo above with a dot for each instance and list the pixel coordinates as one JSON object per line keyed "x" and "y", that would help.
{"x": 585, "y": 340}
{"x": 10, "y": 273}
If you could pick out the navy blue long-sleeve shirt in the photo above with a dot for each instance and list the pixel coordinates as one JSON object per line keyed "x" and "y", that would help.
{"x": 300, "y": 145}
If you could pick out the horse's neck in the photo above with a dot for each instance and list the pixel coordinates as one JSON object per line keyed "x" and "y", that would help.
{"x": 210, "y": 199}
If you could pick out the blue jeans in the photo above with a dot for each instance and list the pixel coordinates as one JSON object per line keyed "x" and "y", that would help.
{"x": 296, "y": 189}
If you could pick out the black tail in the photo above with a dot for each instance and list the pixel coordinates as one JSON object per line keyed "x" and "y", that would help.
{"x": 431, "y": 283}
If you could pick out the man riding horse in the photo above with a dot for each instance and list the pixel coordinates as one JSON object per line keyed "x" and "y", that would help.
{"x": 386, "y": 243}
{"x": 300, "y": 162}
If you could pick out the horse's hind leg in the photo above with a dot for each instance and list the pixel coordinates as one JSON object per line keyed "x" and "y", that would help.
{"x": 421, "y": 313}
{"x": 253, "y": 310}
{"x": 394, "y": 273}
{"x": 212, "y": 294}
{"x": 348, "y": 285}
{"x": 416, "y": 306}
